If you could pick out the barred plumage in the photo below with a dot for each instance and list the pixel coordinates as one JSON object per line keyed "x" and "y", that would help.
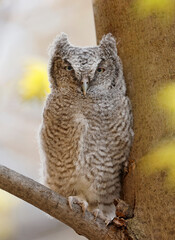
{"x": 86, "y": 131}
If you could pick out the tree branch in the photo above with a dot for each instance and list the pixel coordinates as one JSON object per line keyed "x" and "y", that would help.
{"x": 57, "y": 206}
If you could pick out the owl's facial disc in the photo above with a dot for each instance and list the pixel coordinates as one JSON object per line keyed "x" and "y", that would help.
{"x": 85, "y": 84}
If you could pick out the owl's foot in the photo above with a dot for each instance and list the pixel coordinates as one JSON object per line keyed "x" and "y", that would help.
{"x": 98, "y": 213}
{"x": 79, "y": 201}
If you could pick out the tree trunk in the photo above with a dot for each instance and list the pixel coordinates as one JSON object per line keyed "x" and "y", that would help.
{"x": 147, "y": 49}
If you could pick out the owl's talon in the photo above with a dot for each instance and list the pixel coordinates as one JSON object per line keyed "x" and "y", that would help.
{"x": 107, "y": 221}
{"x": 70, "y": 201}
{"x": 79, "y": 201}
{"x": 106, "y": 217}
{"x": 96, "y": 213}
{"x": 84, "y": 206}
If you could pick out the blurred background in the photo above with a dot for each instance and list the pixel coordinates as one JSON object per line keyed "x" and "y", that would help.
{"x": 26, "y": 29}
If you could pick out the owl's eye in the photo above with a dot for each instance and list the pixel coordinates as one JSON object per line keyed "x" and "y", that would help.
{"x": 68, "y": 68}
{"x": 100, "y": 70}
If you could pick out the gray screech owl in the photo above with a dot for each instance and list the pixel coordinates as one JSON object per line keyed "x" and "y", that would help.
{"x": 86, "y": 131}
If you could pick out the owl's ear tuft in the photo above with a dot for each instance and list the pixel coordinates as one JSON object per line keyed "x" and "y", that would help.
{"x": 59, "y": 45}
{"x": 62, "y": 39}
{"x": 108, "y": 43}
{"x": 63, "y": 36}
{"x": 58, "y": 49}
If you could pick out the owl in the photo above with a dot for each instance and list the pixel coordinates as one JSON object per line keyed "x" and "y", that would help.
{"x": 86, "y": 130}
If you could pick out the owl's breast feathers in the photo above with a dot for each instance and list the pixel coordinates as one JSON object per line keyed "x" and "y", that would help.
{"x": 86, "y": 144}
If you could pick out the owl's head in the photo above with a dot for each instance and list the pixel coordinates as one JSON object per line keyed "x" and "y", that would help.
{"x": 86, "y": 70}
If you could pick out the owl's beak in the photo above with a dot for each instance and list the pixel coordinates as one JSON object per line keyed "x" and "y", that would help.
{"x": 85, "y": 85}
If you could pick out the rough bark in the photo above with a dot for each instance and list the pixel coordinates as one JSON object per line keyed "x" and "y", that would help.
{"x": 57, "y": 206}
{"x": 146, "y": 47}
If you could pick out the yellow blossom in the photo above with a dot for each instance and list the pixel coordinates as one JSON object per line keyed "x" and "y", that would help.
{"x": 34, "y": 84}
{"x": 166, "y": 98}
{"x": 161, "y": 158}
{"x": 147, "y": 7}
